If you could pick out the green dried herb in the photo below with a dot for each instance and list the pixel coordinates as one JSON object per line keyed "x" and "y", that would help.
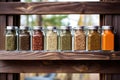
{"x": 10, "y": 42}
{"x": 65, "y": 40}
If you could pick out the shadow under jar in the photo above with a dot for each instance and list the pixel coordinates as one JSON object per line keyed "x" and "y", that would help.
{"x": 37, "y": 38}
{"x": 65, "y": 39}
{"x": 79, "y": 38}
{"x": 24, "y": 38}
{"x": 93, "y": 39}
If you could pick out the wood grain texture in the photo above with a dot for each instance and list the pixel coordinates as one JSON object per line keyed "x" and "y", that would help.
{"x": 60, "y": 8}
{"x": 74, "y": 66}
{"x": 36, "y": 55}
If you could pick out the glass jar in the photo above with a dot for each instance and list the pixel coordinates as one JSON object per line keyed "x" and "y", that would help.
{"x": 65, "y": 39}
{"x": 107, "y": 38}
{"x": 37, "y": 38}
{"x": 79, "y": 38}
{"x": 51, "y": 39}
{"x": 24, "y": 38}
{"x": 93, "y": 38}
{"x": 10, "y": 39}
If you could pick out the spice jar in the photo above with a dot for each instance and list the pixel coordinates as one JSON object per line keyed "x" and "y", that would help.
{"x": 37, "y": 38}
{"x": 93, "y": 38}
{"x": 10, "y": 39}
{"x": 79, "y": 38}
{"x": 65, "y": 38}
{"x": 24, "y": 38}
{"x": 107, "y": 38}
{"x": 51, "y": 39}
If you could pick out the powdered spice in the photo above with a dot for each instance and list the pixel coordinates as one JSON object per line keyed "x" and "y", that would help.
{"x": 51, "y": 39}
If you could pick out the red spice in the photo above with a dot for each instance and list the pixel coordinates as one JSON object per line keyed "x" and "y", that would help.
{"x": 37, "y": 40}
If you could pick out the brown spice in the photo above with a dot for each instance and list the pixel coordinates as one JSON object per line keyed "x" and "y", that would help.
{"x": 94, "y": 40}
{"x": 38, "y": 41}
{"x": 79, "y": 40}
{"x": 24, "y": 42}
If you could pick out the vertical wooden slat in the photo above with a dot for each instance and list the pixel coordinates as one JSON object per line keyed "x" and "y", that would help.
{"x": 112, "y": 20}
{"x": 2, "y": 31}
{"x": 10, "y": 76}
{"x": 13, "y": 20}
{"x": 3, "y": 76}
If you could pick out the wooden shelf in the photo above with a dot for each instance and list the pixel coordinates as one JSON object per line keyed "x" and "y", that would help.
{"x": 60, "y": 8}
{"x": 37, "y": 55}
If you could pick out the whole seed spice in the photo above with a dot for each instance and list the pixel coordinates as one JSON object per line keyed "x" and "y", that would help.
{"x": 94, "y": 40}
{"x": 24, "y": 42}
{"x": 24, "y": 39}
{"x": 51, "y": 39}
{"x": 37, "y": 40}
{"x": 10, "y": 39}
{"x": 65, "y": 40}
{"x": 79, "y": 40}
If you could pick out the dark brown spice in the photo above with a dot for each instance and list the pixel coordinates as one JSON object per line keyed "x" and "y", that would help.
{"x": 24, "y": 39}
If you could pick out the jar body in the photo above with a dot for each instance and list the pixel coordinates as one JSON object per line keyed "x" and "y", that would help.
{"x": 51, "y": 40}
{"x": 107, "y": 40}
{"x": 93, "y": 40}
{"x": 10, "y": 40}
{"x": 65, "y": 40}
{"x": 79, "y": 40}
{"x": 37, "y": 40}
{"x": 24, "y": 40}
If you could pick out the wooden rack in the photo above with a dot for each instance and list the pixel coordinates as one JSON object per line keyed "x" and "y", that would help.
{"x": 79, "y": 62}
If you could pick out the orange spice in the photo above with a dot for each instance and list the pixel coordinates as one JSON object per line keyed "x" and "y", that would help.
{"x": 107, "y": 38}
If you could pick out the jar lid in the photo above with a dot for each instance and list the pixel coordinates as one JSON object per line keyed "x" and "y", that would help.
{"x": 11, "y": 27}
{"x": 92, "y": 27}
{"x": 51, "y": 27}
{"x": 24, "y": 27}
{"x": 106, "y": 27}
{"x": 37, "y": 27}
{"x": 65, "y": 27}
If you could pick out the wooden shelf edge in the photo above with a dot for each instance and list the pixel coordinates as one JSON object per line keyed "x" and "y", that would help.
{"x": 37, "y": 55}
{"x": 60, "y": 66}
{"x": 60, "y": 8}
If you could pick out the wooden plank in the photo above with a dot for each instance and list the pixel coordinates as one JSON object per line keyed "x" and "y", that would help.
{"x": 36, "y": 55}
{"x": 74, "y": 66}
{"x": 60, "y": 8}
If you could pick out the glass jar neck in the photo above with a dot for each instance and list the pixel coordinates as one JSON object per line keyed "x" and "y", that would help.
{"x": 37, "y": 31}
{"x": 24, "y": 31}
{"x": 11, "y": 31}
{"x": 79, "y": 30}
{"x": 93, "y": 30}
{"x": 107, "y": 30}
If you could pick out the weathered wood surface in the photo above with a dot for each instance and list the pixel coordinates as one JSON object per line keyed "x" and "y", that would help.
{"x": 36, "y": 55}
{"x": 75, "y": 66}
{"x": 60, "y": 8}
